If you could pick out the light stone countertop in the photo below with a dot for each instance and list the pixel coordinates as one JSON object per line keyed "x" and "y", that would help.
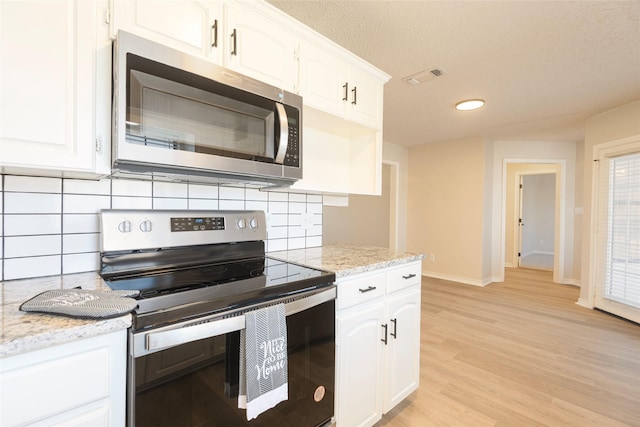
{"x": 22, "y": 332}
{"x": 347, "y": 260}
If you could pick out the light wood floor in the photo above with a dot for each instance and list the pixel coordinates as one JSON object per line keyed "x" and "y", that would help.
{"x": 521, "y": 353}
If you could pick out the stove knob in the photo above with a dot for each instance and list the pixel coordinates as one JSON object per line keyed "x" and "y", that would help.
{"x": 125, "y": 226}
{"x": 253, "y": 223}
{"x": 145, "y": 226}
{"x": 242, "y": 223}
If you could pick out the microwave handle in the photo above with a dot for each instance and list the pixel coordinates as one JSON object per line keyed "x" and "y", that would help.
{"x": 283, "y": 140}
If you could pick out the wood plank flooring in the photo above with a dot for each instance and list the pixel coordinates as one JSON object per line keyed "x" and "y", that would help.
{"x": 521, "y": 353}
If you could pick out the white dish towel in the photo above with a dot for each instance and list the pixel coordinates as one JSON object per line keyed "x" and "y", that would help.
{"x": 263, "y": 360}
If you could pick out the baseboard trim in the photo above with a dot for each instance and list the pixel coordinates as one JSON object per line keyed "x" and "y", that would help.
{"x": 458, "y": 279}
{"x": 584, "y": 303}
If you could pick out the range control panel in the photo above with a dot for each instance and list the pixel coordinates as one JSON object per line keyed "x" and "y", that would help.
{"x": 197, "y": 223}
{"x": 129, "y": 229}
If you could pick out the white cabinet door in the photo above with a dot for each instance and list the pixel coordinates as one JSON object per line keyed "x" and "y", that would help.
{"x": 359, "y": 369}
{"x": 402, "y": 358}
{"x": 365, "y": 98}
{"x": 258, "y": 47}
{"x": 191, "y": 26}
{"x": 48, "y": 78}
{"x": 323, "y": 79}
{"x": 91, "y": 371}
{"x": 331, "y": 83}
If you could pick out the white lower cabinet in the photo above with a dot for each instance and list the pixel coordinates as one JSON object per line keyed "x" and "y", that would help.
{"x": 81, "y": 383}
{"x": 377, "y": 343}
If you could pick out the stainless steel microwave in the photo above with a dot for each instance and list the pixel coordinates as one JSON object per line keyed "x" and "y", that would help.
{"x": 181, "y": 117}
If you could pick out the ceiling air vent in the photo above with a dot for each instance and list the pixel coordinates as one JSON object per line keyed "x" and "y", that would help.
{"x": 424, "y": 76}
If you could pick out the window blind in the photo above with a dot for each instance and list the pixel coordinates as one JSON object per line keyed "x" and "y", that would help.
{"x": 621, "y": 219}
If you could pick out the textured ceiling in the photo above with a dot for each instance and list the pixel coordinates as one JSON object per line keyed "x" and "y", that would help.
{"x": 543, "y": 67}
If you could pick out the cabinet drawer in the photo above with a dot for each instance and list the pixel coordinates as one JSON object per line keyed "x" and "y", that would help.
{"x": 361, "y": 289}
{"x": 404, "y": 276}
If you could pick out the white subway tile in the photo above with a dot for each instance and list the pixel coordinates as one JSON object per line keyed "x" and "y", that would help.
{"x": 32, "y": 203}
{"x": 252, "y": 205}
{"x": 278, "y": 207}
{"x": 231, "y": 204}
{"x": 77, "y": 203}
{"x": 295, "y": 197}
{"x": 22, "y": 268}
{"x": 274, "y": 220}
{"x": 313, "y": 241}
{"x": 131, "y": 202}
{"x": 32, "y": 184}
{"x": 277, "y": 233}
{"x": 295, "y": 207}
{"x": 296, "y": 243}
{"x": 295, "y": 231}
{"x": 78, "y": 243}
{"x": 275, "y": 196}
{"x": 231, "y": 193}
{"x": 167, "y": 203}
{"x": 197, "y": 191}
{"x": 80, "y": 223}
{"x": 203, "y": 204}
{"x": 83, "y": 186}
{"x": 255, "y": 194}
{"x": 315, "y": 208}
{"x": 127, "y": 187}
{"x": 28, "y": 225}
{"x": 276, "y": 245}
{"x": 170, "y": 189}
{"x": 29, "y": 246}
{"x": 316, "y": 219}
{"x": 314, "y": 230}
{"x": 294, "y": 219}
{"x": 314, "y": 198}
{"x": 78, "y": 263}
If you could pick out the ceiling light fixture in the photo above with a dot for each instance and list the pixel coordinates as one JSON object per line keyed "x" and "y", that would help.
{"x": 469, "y": 104}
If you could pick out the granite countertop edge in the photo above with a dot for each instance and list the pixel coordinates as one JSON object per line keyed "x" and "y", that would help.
{"x": 24, "y": 332}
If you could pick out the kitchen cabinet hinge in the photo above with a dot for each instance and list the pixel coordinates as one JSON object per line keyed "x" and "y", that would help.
{"x": 98, "y": 144}
{"x": 107, "y": 16}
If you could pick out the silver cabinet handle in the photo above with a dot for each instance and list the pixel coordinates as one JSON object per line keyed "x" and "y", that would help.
{"x": 384, "y": 340}
{"x": 234, "y": 38}
{"x": 346, "y": 91}
{"x": 394, "y": 334}
{"x": 409, "y": 276}
{"x": 369, "y": 289}
{"x": 355, "y": 95}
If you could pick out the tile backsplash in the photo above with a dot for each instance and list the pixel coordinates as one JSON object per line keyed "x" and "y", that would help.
{"x": 51, "y": 226}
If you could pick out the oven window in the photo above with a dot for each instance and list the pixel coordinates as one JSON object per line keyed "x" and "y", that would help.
{"x": 164, "y": 112}
{"x": 197, "y": 383}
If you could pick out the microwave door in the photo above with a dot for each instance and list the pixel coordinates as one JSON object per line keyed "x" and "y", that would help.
{"x": 283, "y": 137}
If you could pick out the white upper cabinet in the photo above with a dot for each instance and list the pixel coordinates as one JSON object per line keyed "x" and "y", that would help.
{"x": 52, "y": 81}
{"x": 333, "y": 82}
{"x": 260, "y": 46}
{"x": 235, "y": 34}
{"x": 191, "y": 26}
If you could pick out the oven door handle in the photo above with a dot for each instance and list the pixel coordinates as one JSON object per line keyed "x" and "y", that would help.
{"x": 159, "y": 340}
{"x": 151, "y": 342}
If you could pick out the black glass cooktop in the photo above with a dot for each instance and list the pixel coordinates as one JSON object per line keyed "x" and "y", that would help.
{"x": 178, "y": 293}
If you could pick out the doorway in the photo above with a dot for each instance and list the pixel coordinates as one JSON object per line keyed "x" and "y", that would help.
{"x": 536, "y": 220}
{"x": 510, "y": 213}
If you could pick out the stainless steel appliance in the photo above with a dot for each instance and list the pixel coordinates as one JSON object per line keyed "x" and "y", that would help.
{"x": 198, "y": 272}
{"x": 181, "y": 117}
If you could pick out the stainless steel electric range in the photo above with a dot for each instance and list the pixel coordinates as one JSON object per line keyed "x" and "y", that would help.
{"x": 198, "y": 272}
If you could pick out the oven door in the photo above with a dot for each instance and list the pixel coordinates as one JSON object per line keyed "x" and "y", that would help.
{"x": 187, "y": 374}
